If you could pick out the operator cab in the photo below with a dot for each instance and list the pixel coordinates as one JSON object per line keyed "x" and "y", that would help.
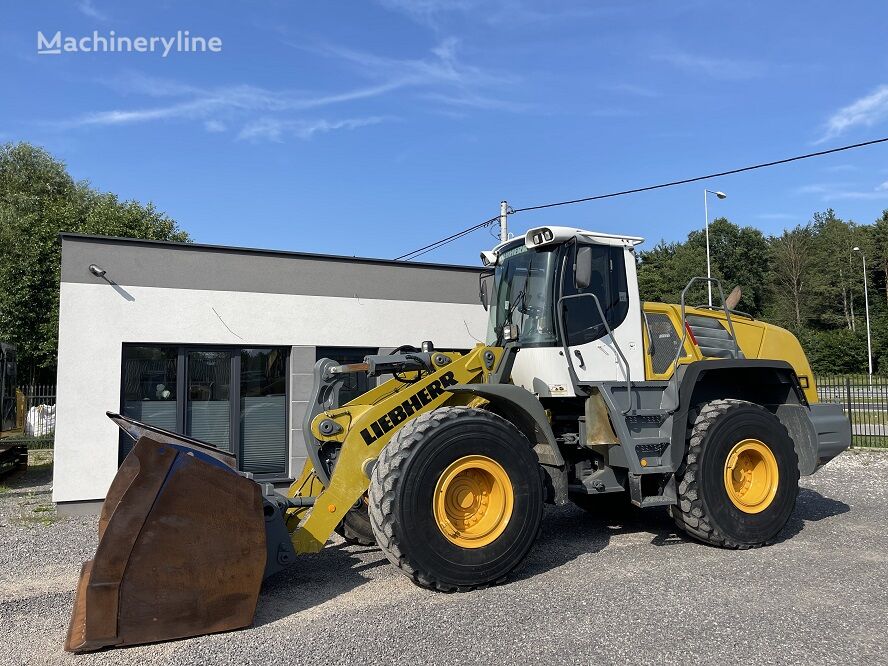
{"x": 560, "y": 277}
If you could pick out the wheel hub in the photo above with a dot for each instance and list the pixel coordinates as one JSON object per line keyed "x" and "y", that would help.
{"x": 473, "y": 501}
{"x": 751, "y": 476}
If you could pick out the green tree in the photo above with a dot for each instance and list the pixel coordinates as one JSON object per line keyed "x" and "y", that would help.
{"x": 792, "y": 266}
{"x": 665, "y": 270}
{"x": 838, "y": 351}
{"x": 738, "y": 255}
{"x": 878, "y": 236}
{"x": 832, "y": 284}
{"x": 39, "y": 200}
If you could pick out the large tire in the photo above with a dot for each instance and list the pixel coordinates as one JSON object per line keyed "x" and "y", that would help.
{"x": 355, "y": 527}
{"x": 406, "y": 484}
{"x": 705, "y": 507}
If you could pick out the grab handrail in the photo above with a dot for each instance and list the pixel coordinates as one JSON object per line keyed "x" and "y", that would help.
{"x": 684, "y": 323}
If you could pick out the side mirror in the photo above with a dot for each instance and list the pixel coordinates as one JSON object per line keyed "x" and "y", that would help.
{"x": 583, "y": 267}
{"x": 485, "y": 295}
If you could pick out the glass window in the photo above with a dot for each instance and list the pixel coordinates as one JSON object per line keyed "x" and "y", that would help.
{"x": 522, "y": 295}
{"x": 208, "y": 410}
{"x": 244, "y": 412}
{"x": 355, "y": 383}
{"x": 583, "y": 322}
{"x": 149, "y": 385}
{"x": 263, "y": 410}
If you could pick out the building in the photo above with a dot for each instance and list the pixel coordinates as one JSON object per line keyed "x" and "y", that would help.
{"x": 219, "y": 343}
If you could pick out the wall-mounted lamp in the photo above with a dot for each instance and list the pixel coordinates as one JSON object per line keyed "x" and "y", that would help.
{"x": 97, "y": 270}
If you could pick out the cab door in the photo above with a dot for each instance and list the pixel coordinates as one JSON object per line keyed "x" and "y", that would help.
{"x": 595, "y": 354}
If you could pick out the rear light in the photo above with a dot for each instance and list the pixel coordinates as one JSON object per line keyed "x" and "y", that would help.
{"x": 691, "y": 334}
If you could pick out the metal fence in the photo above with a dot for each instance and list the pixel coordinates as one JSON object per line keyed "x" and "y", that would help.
{"x": 865, "y": 401}
{"x": 35, "y": 417}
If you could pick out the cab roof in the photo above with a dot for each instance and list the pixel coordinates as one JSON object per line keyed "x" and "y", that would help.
{"x": 551, "y": 235}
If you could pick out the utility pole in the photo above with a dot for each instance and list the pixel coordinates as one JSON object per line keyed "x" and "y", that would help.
{"x": 504, "y": 229}
{"x": 851, "y": 290}
{"x": 869, "y": 344}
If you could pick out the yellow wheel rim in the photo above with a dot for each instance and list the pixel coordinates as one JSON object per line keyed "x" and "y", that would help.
{"x": 473, "y": 501}
{"x": 751, "y": 476}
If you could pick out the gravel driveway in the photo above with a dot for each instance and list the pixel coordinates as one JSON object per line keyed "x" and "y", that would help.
{"x": 592, "y": 591}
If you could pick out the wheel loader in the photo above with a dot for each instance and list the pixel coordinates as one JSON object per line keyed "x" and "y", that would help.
{"x": 581, "y": 393}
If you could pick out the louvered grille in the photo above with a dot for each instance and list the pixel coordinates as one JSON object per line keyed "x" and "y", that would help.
{"x": 713, "y": 339}
{"x": 664, "y": 341}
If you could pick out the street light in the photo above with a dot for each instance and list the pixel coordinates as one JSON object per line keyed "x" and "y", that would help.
{"x": 720, "y": 195}
{"x": 869, "y": 344}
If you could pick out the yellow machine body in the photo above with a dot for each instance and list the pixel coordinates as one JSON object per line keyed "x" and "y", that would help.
{"x": 366, "y": 424}
{"x": 756, "y": 339}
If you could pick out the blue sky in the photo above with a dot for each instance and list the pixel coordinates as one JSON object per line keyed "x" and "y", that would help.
{"x": 372, "y": 128}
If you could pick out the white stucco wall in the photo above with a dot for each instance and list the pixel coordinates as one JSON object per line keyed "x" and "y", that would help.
{"x": 96, "y": 319}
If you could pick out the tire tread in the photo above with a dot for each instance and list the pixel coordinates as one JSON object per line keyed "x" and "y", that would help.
{"x": 689, "y": 513}
{"x": 386, "y": 477}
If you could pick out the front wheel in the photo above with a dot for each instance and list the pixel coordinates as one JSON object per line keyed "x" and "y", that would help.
{"x": 456, "y": 499}
{"x": 740, "y": 480}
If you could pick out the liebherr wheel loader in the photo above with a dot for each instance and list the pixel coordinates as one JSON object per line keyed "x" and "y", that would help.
{"x": 582, "y": 393}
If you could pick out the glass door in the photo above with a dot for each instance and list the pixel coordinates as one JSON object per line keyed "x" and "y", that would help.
{"x": 263, "y": 410}
{"x": 208, "y": 397}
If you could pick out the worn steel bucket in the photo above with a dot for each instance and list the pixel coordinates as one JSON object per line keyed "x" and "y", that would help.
{"x": 181, "y": 547}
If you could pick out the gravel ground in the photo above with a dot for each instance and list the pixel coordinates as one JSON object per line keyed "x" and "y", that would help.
{"x": 592, "y": 590}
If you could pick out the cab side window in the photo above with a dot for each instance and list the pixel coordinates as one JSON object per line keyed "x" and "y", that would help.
{"x": 582, "y": 320}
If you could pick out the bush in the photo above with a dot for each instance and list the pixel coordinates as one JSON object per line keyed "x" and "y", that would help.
{"x": 835, "y": 352}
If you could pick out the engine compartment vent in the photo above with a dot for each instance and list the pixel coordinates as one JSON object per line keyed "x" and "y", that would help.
{"x": 713, "y": 339}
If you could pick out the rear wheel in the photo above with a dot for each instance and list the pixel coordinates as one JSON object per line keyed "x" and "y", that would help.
{"x": 456, "y": 499}
{"x": 740, "y": 480}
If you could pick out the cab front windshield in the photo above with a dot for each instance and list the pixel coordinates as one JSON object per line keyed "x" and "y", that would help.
{"x": 522, "y": 294}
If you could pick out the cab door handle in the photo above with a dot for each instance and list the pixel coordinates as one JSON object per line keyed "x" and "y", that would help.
{"x": 579, "y": 356}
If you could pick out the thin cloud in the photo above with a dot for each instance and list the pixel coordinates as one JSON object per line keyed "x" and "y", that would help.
{"x": 426, "y": 12}
{"x": 87, "y": 8}
{"x": 631, "y": 89}
{"x": 208, "y": 104}
{"x": 441, "y": 78}
{"x": 445, "y": 68}
{"x": 275, "y": 129}
{"x": 722, "y": 69}
{"x": 844, "y": 191}
{"x": 446, "y": 78}
{"x": 472, "y": 100}
{"x": 841, "y": 168}
{"x": 432, "y": 13}
{"x": 863, "y": 112}
{"x": 193, "y": 109}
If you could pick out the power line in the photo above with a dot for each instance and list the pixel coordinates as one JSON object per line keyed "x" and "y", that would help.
{"x": 444, "y": 241}
{"x": 449, "y": 239}
{"x": 685, "y": 181}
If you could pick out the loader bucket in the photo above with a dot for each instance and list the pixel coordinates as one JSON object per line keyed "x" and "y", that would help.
{"x": 181, "y": 550}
